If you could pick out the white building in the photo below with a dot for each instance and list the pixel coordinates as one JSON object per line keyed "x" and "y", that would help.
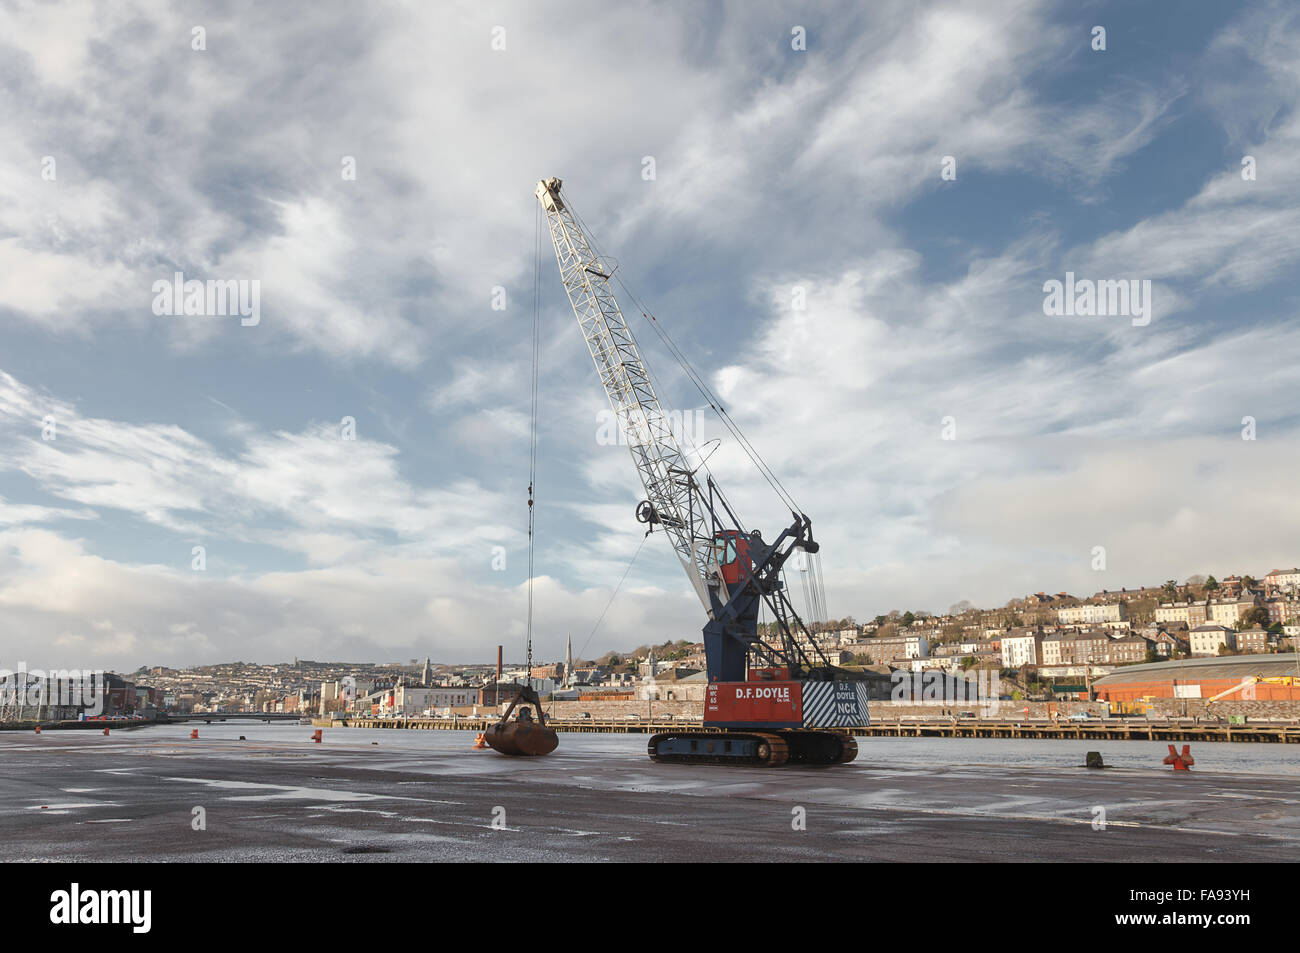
{"x": 1208, "y": 639}
{"x": 1089, "y": 614}
{"x": 417, "y": 699}
{"x": 1228, "y": 611}
{"x": 1022, "y": 648}
{"x": 1283, "y": 578}
{"x": 1173, "y": 612}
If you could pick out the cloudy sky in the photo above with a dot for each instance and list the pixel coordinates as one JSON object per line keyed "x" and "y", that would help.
{"x": 129, "y": 438}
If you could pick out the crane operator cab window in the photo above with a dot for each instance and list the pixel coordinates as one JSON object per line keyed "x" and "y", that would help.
{"x": 731, "y": 551}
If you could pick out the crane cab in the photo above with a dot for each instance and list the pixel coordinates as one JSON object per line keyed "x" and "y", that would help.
{"x": 731, "y": 557}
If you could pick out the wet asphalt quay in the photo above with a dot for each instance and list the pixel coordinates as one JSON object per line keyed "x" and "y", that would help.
{"x": 427, "y": 796}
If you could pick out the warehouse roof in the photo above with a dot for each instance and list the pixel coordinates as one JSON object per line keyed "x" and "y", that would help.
{"x": 1229, "y": 666}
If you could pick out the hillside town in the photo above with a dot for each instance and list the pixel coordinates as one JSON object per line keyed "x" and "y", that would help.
{"x": 1061, "y": 634}
{"x": 1035, "y": 642}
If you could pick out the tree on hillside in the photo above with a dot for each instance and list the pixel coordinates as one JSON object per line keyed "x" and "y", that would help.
{"x": 1253, "y": 617}
{"x": 1142, "y": 610}
{"x": 1211, "y": 583}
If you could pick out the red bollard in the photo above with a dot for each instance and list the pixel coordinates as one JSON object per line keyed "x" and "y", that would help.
{"x": 106, "y": 732}
{"x": 194, "y": 733}
{"x": 1181, "y": 762}
{"x": 316, "y": 736}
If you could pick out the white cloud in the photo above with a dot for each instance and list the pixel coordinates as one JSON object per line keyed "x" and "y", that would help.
{"x": 315, "y": 480}
{"x": 773, "y": 171}
{"x": 12, "y": 514}
{"x": 62, "y": 606}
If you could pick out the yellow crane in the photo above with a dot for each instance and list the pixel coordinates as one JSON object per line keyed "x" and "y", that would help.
{"x": 1253, "y": 680}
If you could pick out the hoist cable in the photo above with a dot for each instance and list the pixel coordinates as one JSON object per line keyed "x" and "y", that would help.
{"x": 613, "y": 595}
{"x": 532, "y": 456}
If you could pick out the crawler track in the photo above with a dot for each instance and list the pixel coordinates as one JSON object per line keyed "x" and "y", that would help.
{"x": 757, "y": 749}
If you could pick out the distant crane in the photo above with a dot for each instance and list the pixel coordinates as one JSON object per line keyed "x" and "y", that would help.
{"x": 1250, "y": 682}
{"x": 777, "y": 709}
